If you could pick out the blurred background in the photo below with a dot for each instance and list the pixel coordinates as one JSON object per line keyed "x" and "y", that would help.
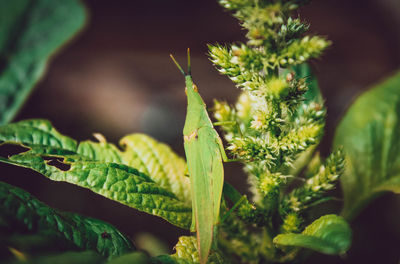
{"x": 116, "y": 78}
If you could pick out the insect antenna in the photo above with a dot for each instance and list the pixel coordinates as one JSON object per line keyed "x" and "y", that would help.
{"x": 189, "y": 72}
{"x": 177, "y": 65}
{"x": 189, "y": 66}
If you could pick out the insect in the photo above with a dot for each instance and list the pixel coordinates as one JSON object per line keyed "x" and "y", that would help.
{"x": 204, "y": 154}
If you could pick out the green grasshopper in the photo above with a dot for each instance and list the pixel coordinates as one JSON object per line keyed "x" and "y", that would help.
{"x": 204, "y": 155}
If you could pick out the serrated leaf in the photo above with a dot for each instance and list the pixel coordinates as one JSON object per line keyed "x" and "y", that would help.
{"x": 186, "y": 249}
{"x": 187, "y": 253}
{"x": 93, "y": 165}
{"x": 37, "y": 133}
{"x": 147, "y": 155}
{"x": 31, "y": 32}
{"x": 158, "y": 160}
{"x": 41, "y": 226}
{"x": 330, "y": 234}
{"x": 369, "y": 133}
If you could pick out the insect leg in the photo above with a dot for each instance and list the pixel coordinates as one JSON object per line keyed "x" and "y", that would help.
{"x": 229, "y": 123}
{"x": 225, "y": 123}
{"x": 223, "y": 153}
{"x": 236, "y": 205}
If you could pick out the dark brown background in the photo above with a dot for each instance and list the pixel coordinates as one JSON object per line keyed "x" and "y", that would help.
{"x": 116, "y": 78}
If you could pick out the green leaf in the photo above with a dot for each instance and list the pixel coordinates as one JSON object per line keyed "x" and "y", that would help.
{"x": 134, "y": 257}
{"x": 155, "y": 159}
{"x": 186, "y": 249}
{"x": 330, "y": 234}
{"x": 160, "y": 162}
{"x": 31, "y": 32}
{"x": 186, "y": 253}
{"x": 153, "y": 245}
{"x": 16, "y": 237}
{"x": 93, "y": 166}
{"x": 85, "y": 257}
{"x": 369, "y": 133}
{"x": 31, "y": 225}
{"x": 37, "y": 133}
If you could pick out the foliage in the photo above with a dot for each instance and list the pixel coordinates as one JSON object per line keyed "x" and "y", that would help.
{"x": 370, "y": 136}
{"x": 36, "y": 226}
{"x": 101, "y": 167}
{"x": 273, "y": 130}
{"x": 31, "y": 32}
{"x": 329, "y": 234}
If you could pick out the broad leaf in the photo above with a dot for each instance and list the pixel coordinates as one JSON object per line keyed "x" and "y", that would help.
{"x": 38, "y": 134}
{"x": 369, "y": 133}
{"x": 97, "y": 166}
{"x": 85, "y": 257}
{"x": 31, "y": 31}
{"x": 158, "y": 160}
{"x": 29, "y": 225}
{"x": 147, "y": 155}
{"x": 23, "y": 242}
{"x": 167, "y": 259}
{"x": 329, "y": 234}
{"x": 134, "y": 257}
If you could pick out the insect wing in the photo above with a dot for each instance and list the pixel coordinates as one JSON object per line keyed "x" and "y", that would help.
{"x": 203, "y": 212}
{"x": 208, "y": 139}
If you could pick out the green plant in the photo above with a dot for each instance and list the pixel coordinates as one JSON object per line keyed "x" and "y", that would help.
{"x": 278, "y": 123}
{"x": 32, "y": 31}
